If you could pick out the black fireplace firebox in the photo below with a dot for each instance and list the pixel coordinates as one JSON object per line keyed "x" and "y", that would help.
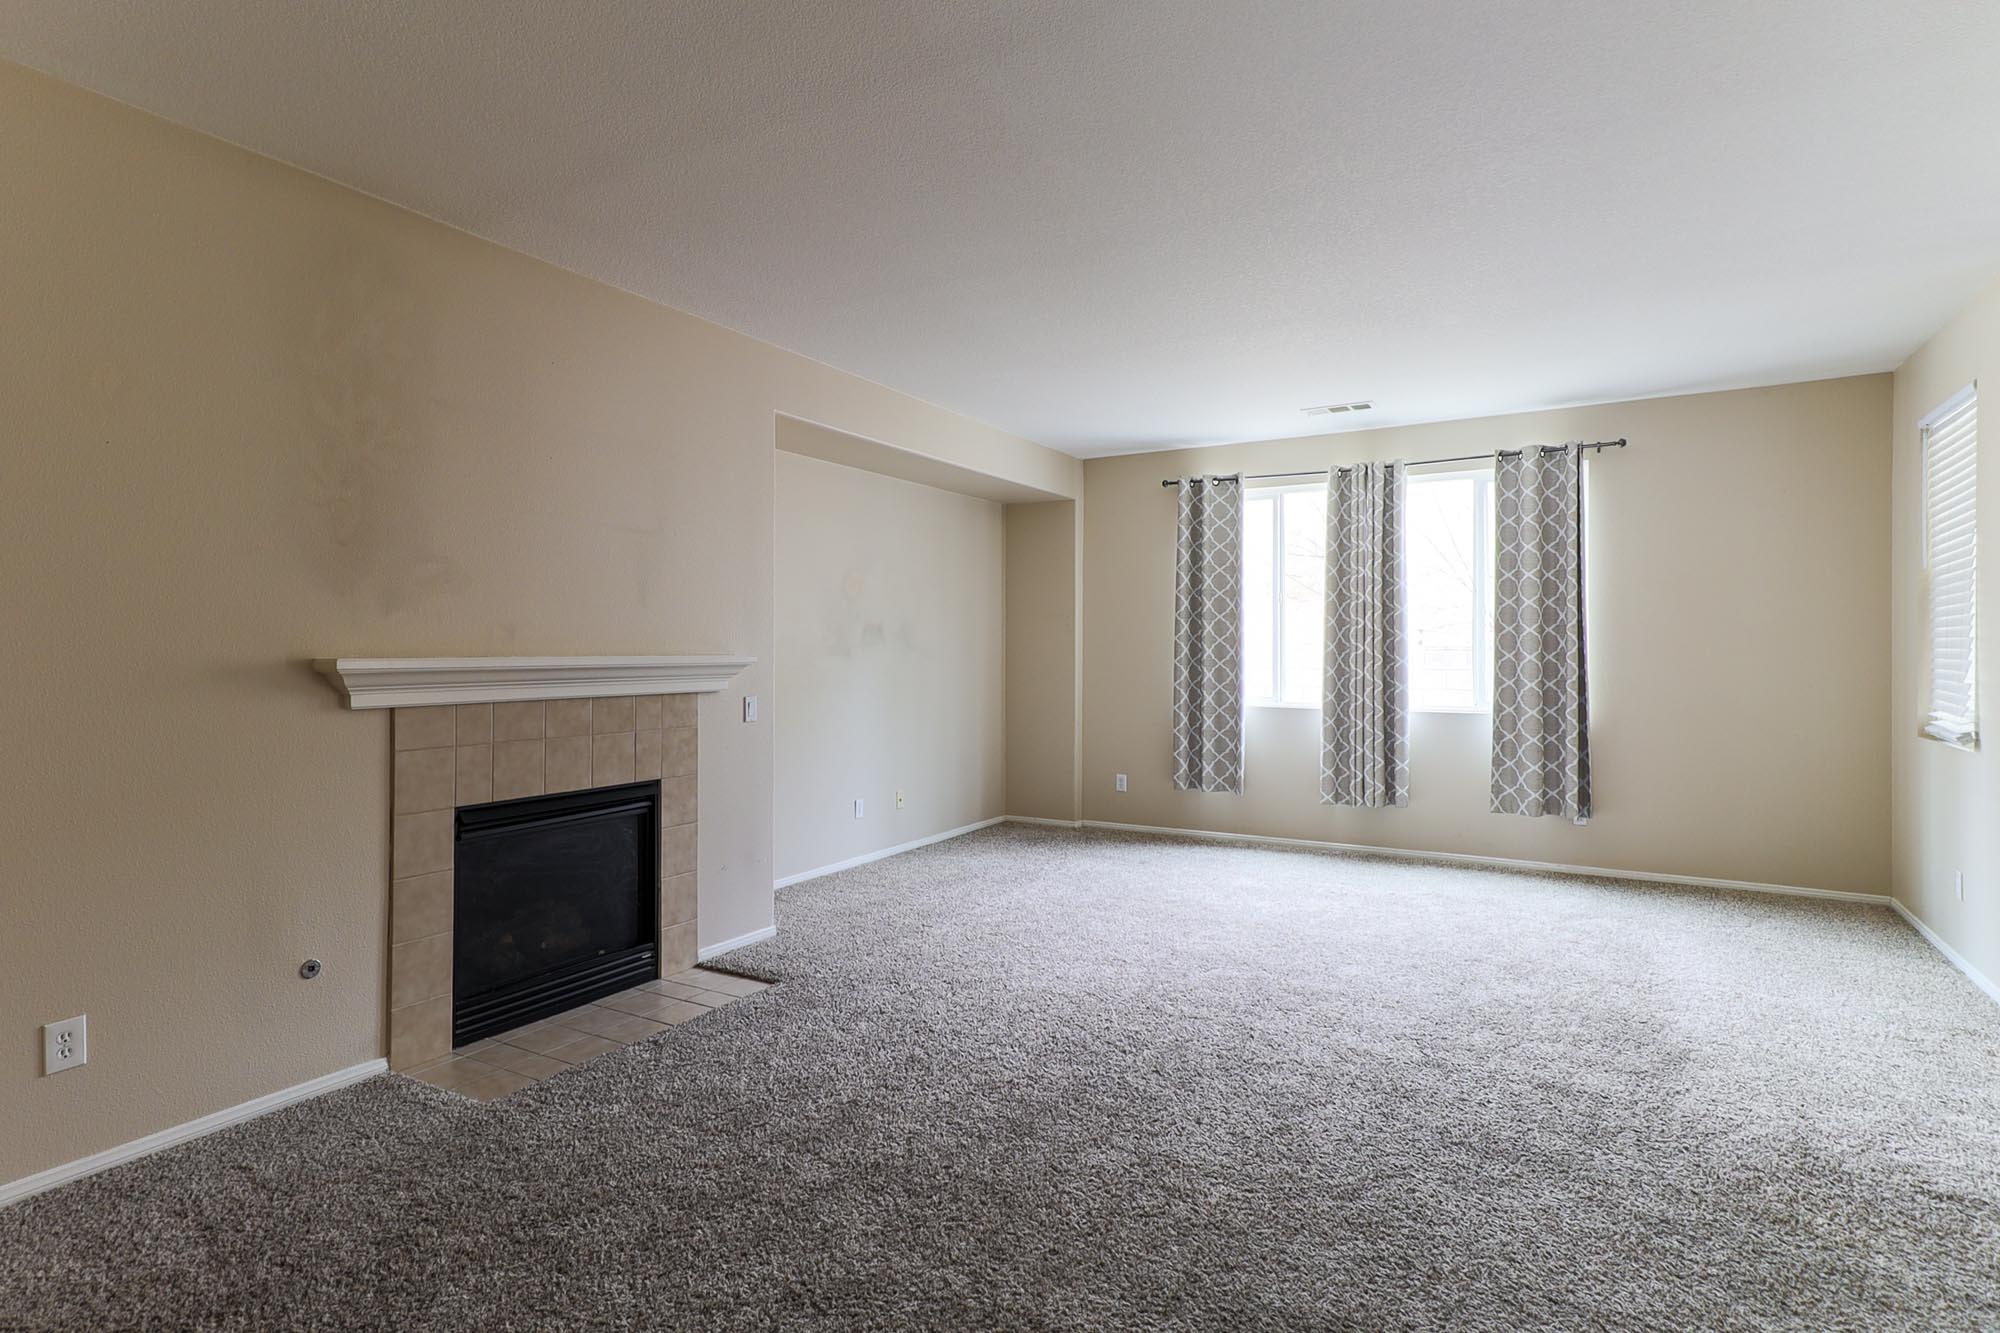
{"x": 557, "y": 903}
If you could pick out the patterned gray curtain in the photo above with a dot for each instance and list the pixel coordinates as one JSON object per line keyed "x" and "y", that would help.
{"x": 1364, "y": 716}
{"x": 1208, "y": 636}
{"x": 1541, "y": 705}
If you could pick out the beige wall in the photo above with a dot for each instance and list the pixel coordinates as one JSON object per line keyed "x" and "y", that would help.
{"x": 1947, "y": 800}
{"x": 1043, "y": 683}
{"x": 1738, "y": 611}
{"x": 890, "y": 662}
{"x": 253, "y": 418}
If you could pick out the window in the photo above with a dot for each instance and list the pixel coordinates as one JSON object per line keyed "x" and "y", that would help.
{"x": 1284, "y": 586}
{"x": 1450, "y": 580}
{"x": 1450, "y": 553}
{"x": 1950, "y": 438}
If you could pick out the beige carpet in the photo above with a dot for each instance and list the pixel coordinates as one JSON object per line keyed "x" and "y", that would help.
{"x": 1037, "y": 1079}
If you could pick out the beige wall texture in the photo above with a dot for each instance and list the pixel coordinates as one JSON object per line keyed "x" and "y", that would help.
{"x": 1947, "y": 800}
{"x": 1738, "y": 603}
{"x": 890, "y": 662}
{"x": 1044, "y": 702}
{"x": 253, "y": 418}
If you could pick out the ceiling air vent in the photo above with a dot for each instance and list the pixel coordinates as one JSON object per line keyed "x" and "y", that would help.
{"x": 1333, "y": 409}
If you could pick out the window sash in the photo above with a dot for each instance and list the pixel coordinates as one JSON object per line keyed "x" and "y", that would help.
{"x": 1481, "y": 551}
{"x": 1273, "y": 558}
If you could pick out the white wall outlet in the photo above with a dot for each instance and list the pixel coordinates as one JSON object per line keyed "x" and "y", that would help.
{"x": 899, "y": 798}
{"x": 1121, "y": 782}
{"x": 749, "y": 708}
{"x": 857, "y": 807}
{"x": 1958, "y": 883}
{"x": 65, "y": 1045}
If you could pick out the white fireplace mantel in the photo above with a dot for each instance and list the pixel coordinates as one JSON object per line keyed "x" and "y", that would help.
{"x": 414, "y": 682}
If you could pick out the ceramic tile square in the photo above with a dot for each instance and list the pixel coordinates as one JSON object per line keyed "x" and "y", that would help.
{"x": 677, "y": 899}
{"x": 646, "y": 756}
{"x": 664, "y": 1009}
{"x": 543, "y": 1039}
{"x": 494, "y": 1084}
{"x": 635, "y": 1001}
{"x": 677, "y": 801}
{"x": 568, "y": 717}
{"x": 678, "y": 849}
{"x": 611, "y": 759}
{"x": 608, "y": 715}
{"x": 678, "y": 710}
{"x": 630, "y": 1028}
{"x": 518, "y": 721}
{"x": 425, "y": 728}
{"x": 423, "y": 781}
{"x": 677, "y": 947}
{"x": 420, "y": 1033}
{"x": 420, "y": 844}
{"x": 524, "y": 1062}
{"x": 441, "y": 1072}
{"x": 678, "y": 1011}
{"x": 452, "y": 1074}
{"x": 675, "y": 990}
{"x": 475, "y": 774}
{"x": 517, "y": 769}
{"x": 707, "y": 999}
{"x": 420, "y": 970}
{"x": 566, "y": 763}
{"x": 678, "y": 757}
{"x": 420, "y": 905}
{"x": 584, "y": 1048}
{"x": 596, "y": 1021}
{"x": 646, "y": 713}
{"x": 475, "y": 724}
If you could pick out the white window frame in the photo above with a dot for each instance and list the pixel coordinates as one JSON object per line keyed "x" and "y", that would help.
{"x": 1482, "y": 546}
{"x": 1278, "y": 492}
{"x": 1952, "y": 405}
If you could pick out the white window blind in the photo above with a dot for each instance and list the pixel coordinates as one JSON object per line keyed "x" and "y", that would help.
{"x": 1951, "y": 567}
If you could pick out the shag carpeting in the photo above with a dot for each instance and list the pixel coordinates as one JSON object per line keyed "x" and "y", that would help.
{"x": 1037, "y": 1079}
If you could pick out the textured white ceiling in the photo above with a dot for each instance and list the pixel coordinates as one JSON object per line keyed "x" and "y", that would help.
{"x": 1119, "y": 224}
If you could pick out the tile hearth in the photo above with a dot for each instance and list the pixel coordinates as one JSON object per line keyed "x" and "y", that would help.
{"x": 491, "y": 1069}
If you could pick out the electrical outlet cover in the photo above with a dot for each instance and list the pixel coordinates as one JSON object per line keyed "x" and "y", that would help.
{"x": 65, "y": 1045}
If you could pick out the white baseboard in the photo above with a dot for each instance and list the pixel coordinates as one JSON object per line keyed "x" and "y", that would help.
{"x": 1046, "y": 823}
{"x": 1951, "y": 955}
{"x": 709, "y": 951}
{"x": 866, "y": 857}
{"x": 15, "y": 1191}
{"x": 1497, "y": 862}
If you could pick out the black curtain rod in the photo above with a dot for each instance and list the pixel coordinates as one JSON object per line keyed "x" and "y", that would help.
{"x": 1414, "y": 462}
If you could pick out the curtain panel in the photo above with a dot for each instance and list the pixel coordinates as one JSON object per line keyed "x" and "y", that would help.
{"x": 1208, "y": 636}
{"x": 1364, "y": 720}
{"x": 1541, "y": 705}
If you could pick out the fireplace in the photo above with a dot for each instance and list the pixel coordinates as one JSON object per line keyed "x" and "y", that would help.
{"x": 491, "y": 731}
{"x": 555, "y": 903}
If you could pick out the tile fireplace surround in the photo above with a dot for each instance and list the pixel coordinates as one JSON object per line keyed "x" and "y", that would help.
{"x": 497, "y": 745}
